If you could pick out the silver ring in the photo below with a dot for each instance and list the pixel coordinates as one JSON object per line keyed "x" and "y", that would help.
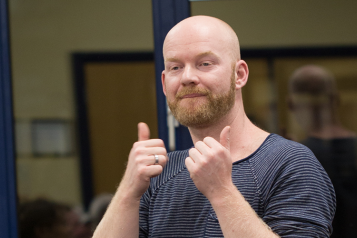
{"x": 156, "y": 159}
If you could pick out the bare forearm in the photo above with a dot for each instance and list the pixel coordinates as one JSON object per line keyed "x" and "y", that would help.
{"x": 120, "y": 220}
{"x": 122, "y": 216}
{"x": 237, "y": 218}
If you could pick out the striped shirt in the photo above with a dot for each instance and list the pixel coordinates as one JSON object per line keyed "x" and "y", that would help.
{"x": 282, "y": 181}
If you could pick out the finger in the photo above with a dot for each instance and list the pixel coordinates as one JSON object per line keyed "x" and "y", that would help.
{"x": 189, "y": 163}
{"x": 146, "y": 155}
{"x": 150, "y": 143}
{"x": 225, "y": 137}
{"x": 157, "y": 150}
{"x": 195, "y": 155}
{"x": 162, "y": 160}
{"x": 154, "y": 170}
{"x": 202, "y": 147}
{"x": 211, "y": 142}
{"x": 143, "y": 131}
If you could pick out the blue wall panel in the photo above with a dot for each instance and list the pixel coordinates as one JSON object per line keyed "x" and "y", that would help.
{"x": 166, "y": 14}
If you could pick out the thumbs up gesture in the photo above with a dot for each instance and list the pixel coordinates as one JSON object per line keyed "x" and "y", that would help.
{"x": 210, "y": 164}
{"x": 146, "y": 160}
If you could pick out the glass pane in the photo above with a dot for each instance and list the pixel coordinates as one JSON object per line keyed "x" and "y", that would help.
{"x": 345, "y": 72}
{"x": 318, "y": 108}
{"x": 258, "y": 96}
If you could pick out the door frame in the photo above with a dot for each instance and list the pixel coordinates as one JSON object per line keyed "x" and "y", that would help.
{"x": 79, "y": 61}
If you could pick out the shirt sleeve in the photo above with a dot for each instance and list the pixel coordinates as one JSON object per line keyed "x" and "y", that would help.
{"x": 301, "y": 199}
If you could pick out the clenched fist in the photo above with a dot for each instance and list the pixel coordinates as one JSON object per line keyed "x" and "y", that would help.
{"x": 142, "y": 163}
{"x": 210, "y": 164}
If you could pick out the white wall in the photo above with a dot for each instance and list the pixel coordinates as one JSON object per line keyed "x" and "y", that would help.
{"x": 43, "y": 36}
{"x": 286, "y": 23}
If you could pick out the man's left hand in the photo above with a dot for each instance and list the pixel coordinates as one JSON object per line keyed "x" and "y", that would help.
{"x": 210, "y": 165}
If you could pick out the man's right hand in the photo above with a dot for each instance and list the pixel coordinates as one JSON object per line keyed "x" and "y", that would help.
{"x": 141, "y": 163}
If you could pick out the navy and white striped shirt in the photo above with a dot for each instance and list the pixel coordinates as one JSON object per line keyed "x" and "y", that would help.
{"x": 282, "y": 181}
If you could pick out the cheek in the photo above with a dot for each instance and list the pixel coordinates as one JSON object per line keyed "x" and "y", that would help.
{"x": 171, "y": 87}
{"x": 222, "y": 79}
{"x": 220, "y": 86}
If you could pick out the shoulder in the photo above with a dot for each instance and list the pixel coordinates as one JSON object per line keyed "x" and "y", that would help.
{"x": 282, "y": 146}
{"x": 279, "y": 159}
{"x": 294, "y": 186}
{"x": 277, "y": 151}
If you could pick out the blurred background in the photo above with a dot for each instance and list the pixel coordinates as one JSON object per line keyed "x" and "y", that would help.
{"x": 103, "y": 51}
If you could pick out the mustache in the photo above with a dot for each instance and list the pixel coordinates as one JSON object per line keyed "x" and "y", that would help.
{"x": 191, "y": 90}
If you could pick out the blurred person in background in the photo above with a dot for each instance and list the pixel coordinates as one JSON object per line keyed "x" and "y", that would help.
{"x": 98, "y": 208}
{"x": 43, "y": 218}
{"x": 314, "y": 101}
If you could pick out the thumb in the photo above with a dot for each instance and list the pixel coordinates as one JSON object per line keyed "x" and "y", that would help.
{"x": 225, "y": 137}
{"x": 143, "y": 131}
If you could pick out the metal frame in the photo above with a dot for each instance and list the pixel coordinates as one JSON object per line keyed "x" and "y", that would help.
{"x": 8, "y": 199}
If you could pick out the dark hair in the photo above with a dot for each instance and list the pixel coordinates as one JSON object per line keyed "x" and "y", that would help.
{"x": 39, "y": 214}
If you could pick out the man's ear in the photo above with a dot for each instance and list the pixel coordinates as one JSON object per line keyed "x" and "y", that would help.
{"x": 242, "y": 73}
{"x": 163, "y": 82}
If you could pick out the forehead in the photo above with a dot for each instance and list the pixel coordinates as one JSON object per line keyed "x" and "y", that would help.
{"x": 195, "y": 43}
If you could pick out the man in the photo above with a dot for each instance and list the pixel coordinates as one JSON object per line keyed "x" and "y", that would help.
{"x": 238, "y": 181}
{"x": 314, "y": 102}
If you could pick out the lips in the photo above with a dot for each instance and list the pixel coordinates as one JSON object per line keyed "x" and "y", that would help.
{"x": 192, "y": 95}
{"x": 191, "y": 92}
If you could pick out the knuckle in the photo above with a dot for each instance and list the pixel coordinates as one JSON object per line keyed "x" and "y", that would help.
{"x": 221, "y": 151}
{"x": 161, "y": 143}
{"x": 162, "y": 151}
{"x": 159, "y": 169}
{"x": 136, "y": 144}
{"x": 210, "y": 154}
{"x": 137, "y": 160}
{"x": 141, "y": 171}
{"x": 164, "y": 160}
{"x": 139, "y": 151}
{"x": 204, "y": 163}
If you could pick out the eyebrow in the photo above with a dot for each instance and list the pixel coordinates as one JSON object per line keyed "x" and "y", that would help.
{"x": 173, "y": 59}
{"x": 207, "y": 53}
{"x": 200, "y": 55}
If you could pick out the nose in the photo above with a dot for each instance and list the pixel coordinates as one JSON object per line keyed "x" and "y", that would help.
{"x": 189, "y": 76}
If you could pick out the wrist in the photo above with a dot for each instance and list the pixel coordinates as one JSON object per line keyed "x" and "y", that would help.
{"x": 225, "y": 196}
{"x": 126, "y": 196}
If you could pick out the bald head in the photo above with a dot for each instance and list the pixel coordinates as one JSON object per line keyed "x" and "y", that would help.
{"x": 312, "y": 79}
{"x": 204, "y": 28}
